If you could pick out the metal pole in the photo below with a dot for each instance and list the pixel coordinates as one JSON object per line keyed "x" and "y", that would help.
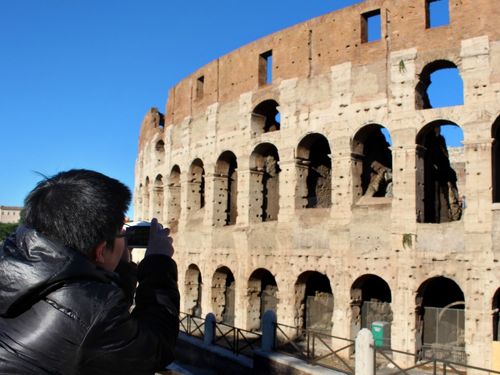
{"x": 313, "y": 347}
{"x": 307, "y": 343}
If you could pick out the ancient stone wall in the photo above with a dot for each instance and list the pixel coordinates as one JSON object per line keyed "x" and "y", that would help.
{"x": 285, "y": 191}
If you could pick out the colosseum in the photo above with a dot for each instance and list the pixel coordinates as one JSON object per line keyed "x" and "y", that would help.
{"x": 306, "y": 173}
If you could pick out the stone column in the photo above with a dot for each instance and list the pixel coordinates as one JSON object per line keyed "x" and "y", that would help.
{"x": 477, "y": 215}
{"x": 245, "y": 115}
{"x": 220, "y": 194}
{"x": 287, "y": 181}
{"x": 210, "y": 197}
{"x": 403, "y": 329}
{"x": 478, "y": 327}
{"x": 185, "y": 186}
{"x": 206, "y": 290}
{"x": 243, "y": 217}
{"x": 404, "y": 170}
{"x": 342, "y": 199}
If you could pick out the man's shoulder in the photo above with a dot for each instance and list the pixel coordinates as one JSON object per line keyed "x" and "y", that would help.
{"x": 85, "y": 300}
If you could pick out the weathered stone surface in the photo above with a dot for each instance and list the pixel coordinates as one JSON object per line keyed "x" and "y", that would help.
{"x": 330, "y": 86}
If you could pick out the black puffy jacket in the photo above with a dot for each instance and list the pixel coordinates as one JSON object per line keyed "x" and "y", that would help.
{"x": 61, "y": 314}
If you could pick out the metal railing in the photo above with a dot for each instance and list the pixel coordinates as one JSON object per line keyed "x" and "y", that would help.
{"x": 319, "y": 348}
{"x": 238, "y": 340}
{"x": 315, "y": 347}
{"x": 192, "y": 325}
{"x": 383, "y": 360}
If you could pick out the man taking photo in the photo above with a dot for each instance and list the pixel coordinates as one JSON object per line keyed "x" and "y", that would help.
{"x": 66, "y": 285}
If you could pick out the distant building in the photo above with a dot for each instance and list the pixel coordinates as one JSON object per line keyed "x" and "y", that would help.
{"x": 10, "y": 214}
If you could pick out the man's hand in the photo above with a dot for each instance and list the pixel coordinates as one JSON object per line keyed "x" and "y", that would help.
{"x": 160, "y": 241}
{"x": 126, "y": 254}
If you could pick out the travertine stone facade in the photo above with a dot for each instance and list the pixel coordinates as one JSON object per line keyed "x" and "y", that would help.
{"x": 283, "y": 192}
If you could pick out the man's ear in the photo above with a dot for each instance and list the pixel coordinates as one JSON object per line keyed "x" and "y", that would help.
{"x": 99, "y": 253}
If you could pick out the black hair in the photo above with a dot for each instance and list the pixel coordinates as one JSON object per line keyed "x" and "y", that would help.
{"x": 78, "y": 208}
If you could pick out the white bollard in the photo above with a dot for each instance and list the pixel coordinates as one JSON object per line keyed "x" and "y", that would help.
{"x": 209, "y": 337}
{"x": 365, "y": 364}
{"x": 268, "y": 330}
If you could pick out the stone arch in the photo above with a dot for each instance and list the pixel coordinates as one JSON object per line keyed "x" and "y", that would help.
{"x": 495, "y": 159}
{"x": 264, "y": 183}
{"x": 226, "y": 189}
{"x": 422, "y": 100}
{"x": 437, "y": 196}
{"x": 314, "y": 172}
{"x": 313, "y": 301}
{"x": 371, "y": 299}
{"x": 196, "y": 186}
{"x": 223, "y": 295}
{"x": 193, "y": 290}
{"x": 495, "y": 306}
{"x": 145, "y": 207}
{"x": 266, "y": 117}
{"x": 140, "y": 197}
{"x": 174, "y": 201}
{"x": 440, "y": 320}
{"x": 158, "y": 198}
{"x": 160, "y": 151}
{"x": 372, "y": 162}
{"x": 262, "y": 296}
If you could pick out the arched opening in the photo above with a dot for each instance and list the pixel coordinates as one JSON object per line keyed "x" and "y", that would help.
{"x": 145, "y": 207}
{"x": 371, "y": 308}
{"x": 439, "y": 85}
{"x": 158, "y": 198}
{"x": 226, "y": 189}
{"x": 265, "y": 117}
{"x": 314, "y": 172}
{"x": 262, "y": 296}
{"x": 440, "y": 173}
{"x": 372, "y": 162}
{"x": 264, "y": 183}
{"x": 174, "y": 201}
{"x": 223, "y": 297}
{"x": 495, "y": 159}
{"x": 496, "y": 315}
{"x": 140, "y": 192}
{"x": 192, "y": 290}
{"x": 160, "y": 151}
{"x": 440, "y": 320}
{"x": 313, "y": 302}
{"x": 196, "y": 186}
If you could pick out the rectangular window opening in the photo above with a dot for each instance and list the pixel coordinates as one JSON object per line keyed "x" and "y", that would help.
{"x": 437, "y": 13}
{"x": 200, "y": 82}
{"x": 371, "y": 26}
{"x": 266, "y": 68}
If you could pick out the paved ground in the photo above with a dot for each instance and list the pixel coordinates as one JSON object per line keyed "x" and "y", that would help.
{"x": 177, "y": 368}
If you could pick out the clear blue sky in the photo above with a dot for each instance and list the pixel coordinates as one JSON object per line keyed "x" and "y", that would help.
{"x": 77, "y": 77}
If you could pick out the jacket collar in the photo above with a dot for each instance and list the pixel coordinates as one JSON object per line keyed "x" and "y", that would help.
{"x": 33, "y": 265}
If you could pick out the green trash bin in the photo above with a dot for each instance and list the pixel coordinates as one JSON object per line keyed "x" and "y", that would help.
{"x": 381, "y": 332}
